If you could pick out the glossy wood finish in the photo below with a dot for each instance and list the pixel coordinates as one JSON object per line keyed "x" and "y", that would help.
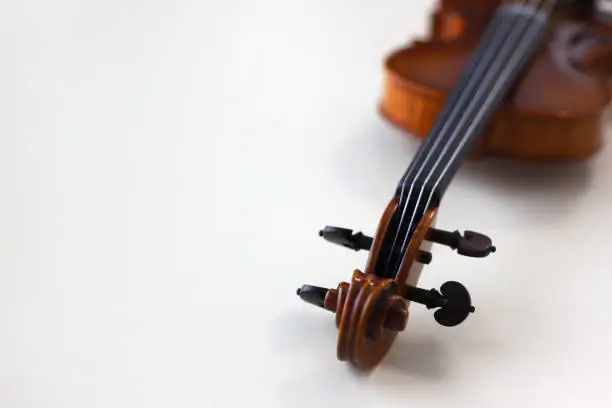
{"x": 554, "y": 112}
{"x": 371, "y": 311}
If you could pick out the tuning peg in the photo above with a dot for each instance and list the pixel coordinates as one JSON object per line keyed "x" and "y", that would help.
{"x": 453, "y": 300}
{"x": 358, "y": 241}
{"x": 424, "y": 257}
{"x": 471, "y": 244}
{"x": 346, "y": 238}
{"x": 342, "y": 300}
{"x": 314, "y": 295}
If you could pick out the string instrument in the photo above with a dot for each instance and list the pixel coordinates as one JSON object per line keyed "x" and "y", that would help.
{"x": 553, "y": 110}
{"x": 497, "y": 78}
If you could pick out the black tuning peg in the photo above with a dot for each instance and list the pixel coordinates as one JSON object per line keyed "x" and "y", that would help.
{"x": 358, "y": 241}
{"x": 453, "y": 302}
{"x": 346, "y": 238}
{"x": 471, "y": 244}
{"x": 314, "y": 295}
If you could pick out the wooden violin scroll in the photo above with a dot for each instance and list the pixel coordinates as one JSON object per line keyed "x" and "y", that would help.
{"x": 371, "y": 311}
{"x": 369, "y": 314}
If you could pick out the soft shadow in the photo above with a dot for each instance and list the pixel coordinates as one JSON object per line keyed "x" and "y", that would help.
{"x": 509, "y": 176}
{"x": 421, "y": 357}
{"x": 359, "y": 373}
{"x": 382, "y": 153}
{"x": 374, "y": 161}
{"x": 311, "y": 329}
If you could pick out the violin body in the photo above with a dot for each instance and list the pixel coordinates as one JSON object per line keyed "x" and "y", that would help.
{"x": 554, "y": 111}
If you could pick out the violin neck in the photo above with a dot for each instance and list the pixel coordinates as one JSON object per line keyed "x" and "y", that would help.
{"x": 511, "y": 38}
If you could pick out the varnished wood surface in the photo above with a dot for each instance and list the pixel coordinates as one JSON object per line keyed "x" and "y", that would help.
{"x": 371, "y": 311}
{"x": 554, "y": 112}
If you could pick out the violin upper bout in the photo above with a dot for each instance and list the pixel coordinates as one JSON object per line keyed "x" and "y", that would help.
{"x": 464, "y": 19}
{"x": 556, "y": 86}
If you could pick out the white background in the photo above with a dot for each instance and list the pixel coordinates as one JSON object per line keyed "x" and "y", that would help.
{"x": 164, "y": 170}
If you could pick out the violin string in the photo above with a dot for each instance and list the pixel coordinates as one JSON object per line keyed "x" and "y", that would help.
{"x": 497, "y": 31}
{"x": 493, "y": 41}
{"x": 545, "y": 5}
{"x": 451, "y": 107}
{"x": 484, "y": 105}
{"x": 459, "y": 128}
{"x": 469, "y": 74}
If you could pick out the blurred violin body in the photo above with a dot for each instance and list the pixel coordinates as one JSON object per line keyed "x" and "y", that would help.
{"x": 555, "y": 109}
{"x": 527, "y": 80}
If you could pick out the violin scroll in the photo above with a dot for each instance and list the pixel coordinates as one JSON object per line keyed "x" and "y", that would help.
{"x": 369, "y": 314}
{"x": 371, "y": 310}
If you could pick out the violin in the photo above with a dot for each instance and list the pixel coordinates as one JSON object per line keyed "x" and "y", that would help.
{"x": 524, "y": 80}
